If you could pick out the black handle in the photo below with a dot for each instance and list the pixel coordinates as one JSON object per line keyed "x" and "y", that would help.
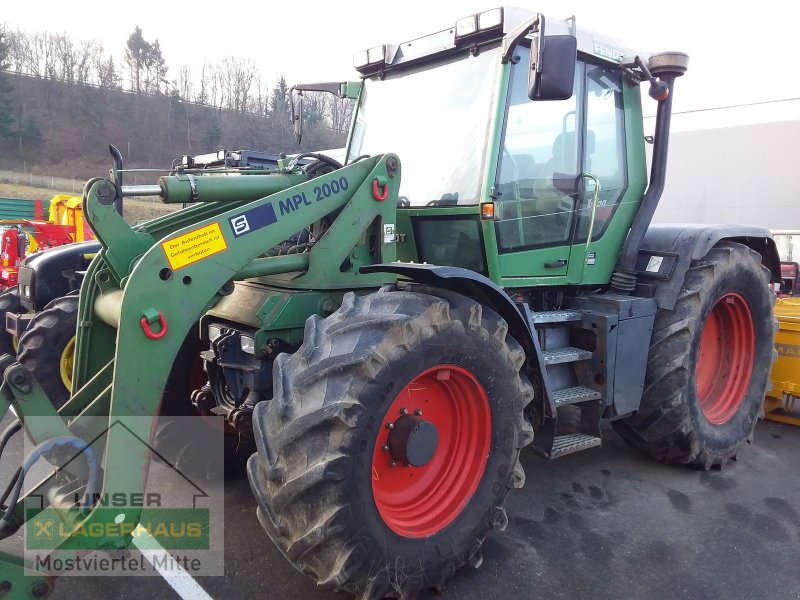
{"x": 555, "y": 264}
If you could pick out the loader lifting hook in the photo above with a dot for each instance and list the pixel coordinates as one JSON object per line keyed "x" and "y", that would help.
{"x": 153, "y": 335}
{"x": 377, "y": 193}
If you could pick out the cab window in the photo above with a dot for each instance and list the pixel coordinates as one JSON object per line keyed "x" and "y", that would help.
{"x": 544, "y": 198}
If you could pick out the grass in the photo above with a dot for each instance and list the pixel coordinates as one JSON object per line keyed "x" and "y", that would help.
{"x": 135, "y": 209}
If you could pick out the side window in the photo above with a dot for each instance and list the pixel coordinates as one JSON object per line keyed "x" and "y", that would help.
{"x": 605, "y": 148}
{"x": 538, "y": 167}
{"x": 546, "y": 147}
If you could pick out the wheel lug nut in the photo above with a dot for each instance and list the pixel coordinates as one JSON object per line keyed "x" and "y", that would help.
{"x": 385, "y": 447}
{"x": 403, "y": 411}
{"x": 393, "y": 463}
{"x": 418, "y": 412}
{"x": 390, "y": 425}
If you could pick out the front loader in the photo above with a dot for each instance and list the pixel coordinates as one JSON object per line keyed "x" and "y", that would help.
{"x": 445, "y": 306}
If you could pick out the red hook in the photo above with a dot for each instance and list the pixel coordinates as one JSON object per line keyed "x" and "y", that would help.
{"x": 149, "y": 332}
{"x": 376, "y": 193}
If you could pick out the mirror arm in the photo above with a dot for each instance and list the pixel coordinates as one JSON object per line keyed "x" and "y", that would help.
{"x": 331, "y": 87}
{"x": 519, "y": 33}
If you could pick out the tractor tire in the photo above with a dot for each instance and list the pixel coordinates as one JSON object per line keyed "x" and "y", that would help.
{"x": 47, "y": 348}
{"x": 9, "y": 303}
{"x": 709, "y": 363}
{"x": 337, "y": 493}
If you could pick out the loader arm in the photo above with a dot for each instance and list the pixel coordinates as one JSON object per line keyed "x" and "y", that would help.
{"x": 150, "y": 285}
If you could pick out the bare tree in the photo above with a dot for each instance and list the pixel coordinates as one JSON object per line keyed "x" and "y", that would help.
{"x": 66, "y": 62}
{"x": 185, "y": 84}
{"x": 18, "y": 51}
{"x": 202, "y": 95}
{"x": 87, "y": 54}
{"x": 237, "y": 75}
{"x": 340, "y": 111}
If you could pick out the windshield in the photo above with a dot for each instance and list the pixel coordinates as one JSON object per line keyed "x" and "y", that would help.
{"x": 436, "y": 119}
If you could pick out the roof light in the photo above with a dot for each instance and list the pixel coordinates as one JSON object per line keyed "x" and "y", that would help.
{"x": 479, "y": 24}
{"x": 361, "y": 59}
{"x": 377, "y": 54}
{"x": 490, "y": 19}
{"x": 368, "y": 59}
{"x": 466, "y": 26}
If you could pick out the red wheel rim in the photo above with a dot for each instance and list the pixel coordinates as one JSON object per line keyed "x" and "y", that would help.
{"x": 725, "y": 359}
{"x": 418, "y": 502}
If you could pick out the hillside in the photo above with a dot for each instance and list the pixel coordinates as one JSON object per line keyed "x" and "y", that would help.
{"x": 64, "y": 129}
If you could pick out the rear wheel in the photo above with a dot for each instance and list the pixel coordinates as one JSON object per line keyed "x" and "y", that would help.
{"x": 392, "y": 440}
{"x": 709, "y": 362}
{"x": 47, "y": 348}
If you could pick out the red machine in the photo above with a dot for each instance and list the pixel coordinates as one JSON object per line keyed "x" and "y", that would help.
{"x": 22, "y": 237}
{"x": 789, "y": 277}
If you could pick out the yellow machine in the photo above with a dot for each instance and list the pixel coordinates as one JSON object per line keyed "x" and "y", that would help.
{"x": 783, "y": 400}
{"x": 68, "y": 210}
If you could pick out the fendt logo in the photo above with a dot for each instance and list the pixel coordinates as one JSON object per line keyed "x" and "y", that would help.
{"x": 240, "y": 225}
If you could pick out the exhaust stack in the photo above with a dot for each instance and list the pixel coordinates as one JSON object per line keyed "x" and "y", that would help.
{"x": 662, "y": 70}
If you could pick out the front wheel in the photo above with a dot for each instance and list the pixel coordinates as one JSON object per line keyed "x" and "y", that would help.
{"x": 392, "y": 440}
{"x": 47, "y": 348}
{"x": 709, "y": 362}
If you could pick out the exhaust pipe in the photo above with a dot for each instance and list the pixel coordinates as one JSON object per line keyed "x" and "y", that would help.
{"x": 666, "y": 67}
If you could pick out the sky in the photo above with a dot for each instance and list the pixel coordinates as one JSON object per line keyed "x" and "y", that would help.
{"x": 739, "y": 53}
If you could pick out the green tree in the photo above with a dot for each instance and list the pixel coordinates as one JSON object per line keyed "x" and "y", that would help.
{"x": 279, "y": 115}
{"x": 137, "y": 57}
{"x": 31, "y": 134}
{"x": 6, "y": 120}
{"x": 107, "y": 75}
{"x": 156, "y": 68}
{"x": 212, "y": 139}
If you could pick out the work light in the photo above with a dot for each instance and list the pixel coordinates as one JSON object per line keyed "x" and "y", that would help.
{"x": 247, "y": 344}
{"x": 479, "y": 23}
{"x": 370, "y": 58}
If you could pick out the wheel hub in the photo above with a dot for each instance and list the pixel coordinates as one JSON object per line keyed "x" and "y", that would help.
{"x": 413, "y": 441}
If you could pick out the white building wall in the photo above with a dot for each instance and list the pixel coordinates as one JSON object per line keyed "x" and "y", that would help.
{"x": 734, "y": 166}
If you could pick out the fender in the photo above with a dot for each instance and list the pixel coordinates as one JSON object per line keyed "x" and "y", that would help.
{"x": 473, "y": 285}
{"x": 668, "y": 250}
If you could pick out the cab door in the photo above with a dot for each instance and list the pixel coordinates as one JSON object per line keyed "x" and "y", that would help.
{"x": 538, "y": 175}
{"x": 553, "y": 155}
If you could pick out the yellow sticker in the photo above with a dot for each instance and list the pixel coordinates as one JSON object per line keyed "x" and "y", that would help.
{"x": 193, "y": 246}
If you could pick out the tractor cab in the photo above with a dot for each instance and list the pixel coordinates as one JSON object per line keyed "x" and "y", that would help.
{"x": 526, "y": 191}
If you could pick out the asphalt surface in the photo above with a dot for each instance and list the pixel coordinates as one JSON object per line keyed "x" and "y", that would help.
{"x": 604, "y": 523}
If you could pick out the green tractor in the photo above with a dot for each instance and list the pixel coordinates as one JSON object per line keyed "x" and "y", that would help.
{"x": 441, "y": 308}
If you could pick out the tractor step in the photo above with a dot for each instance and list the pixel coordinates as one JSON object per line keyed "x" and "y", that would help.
{"x": 555, "y": 316}
{"x": 573, "y": 442}
{"x": 565, "y": 355}
{"x": 575, "y": 395}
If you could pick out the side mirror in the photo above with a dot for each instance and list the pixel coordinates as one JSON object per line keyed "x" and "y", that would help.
{"x": 296, "y": 102}
{"x": 552, "y": 69}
